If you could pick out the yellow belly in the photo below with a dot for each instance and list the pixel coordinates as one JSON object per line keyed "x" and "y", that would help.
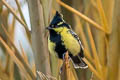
{"x": 51, "y": 48}
{"x": 70, "y": 43}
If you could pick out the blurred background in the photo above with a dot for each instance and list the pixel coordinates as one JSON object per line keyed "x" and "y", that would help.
{"x": 24, "y": 52}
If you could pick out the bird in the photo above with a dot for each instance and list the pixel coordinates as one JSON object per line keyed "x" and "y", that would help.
{"x": 62, "y": 39}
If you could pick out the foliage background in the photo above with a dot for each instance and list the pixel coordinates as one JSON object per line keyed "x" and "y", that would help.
{"x": 23, "y": 39}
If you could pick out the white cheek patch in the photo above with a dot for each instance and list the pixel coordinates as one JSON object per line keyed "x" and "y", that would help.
{"x": 60, "y": 23}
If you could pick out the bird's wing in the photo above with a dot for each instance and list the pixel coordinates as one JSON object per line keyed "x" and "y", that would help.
{"x": 77, "y": 38}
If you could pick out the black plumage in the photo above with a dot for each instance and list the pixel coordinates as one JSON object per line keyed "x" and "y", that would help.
{"x": 59, "y": 48}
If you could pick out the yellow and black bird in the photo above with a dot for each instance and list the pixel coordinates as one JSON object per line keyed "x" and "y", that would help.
{"x": 62, "y": 39}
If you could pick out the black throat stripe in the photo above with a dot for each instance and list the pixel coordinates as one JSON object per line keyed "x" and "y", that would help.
{"x": 59, "y": 47}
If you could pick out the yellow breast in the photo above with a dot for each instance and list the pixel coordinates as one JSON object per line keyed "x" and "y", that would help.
{"x": 70, "y": 42}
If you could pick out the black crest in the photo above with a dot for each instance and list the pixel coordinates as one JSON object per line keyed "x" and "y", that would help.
{"x": 57, "y": 18}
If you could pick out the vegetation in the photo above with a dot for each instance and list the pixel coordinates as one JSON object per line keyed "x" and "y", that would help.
{"x": 95, "y": 21}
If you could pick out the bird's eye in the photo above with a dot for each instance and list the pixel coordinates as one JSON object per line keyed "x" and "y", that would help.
{"x": 52, "y": 26}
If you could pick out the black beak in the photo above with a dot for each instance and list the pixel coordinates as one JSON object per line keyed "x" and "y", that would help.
{"x": 48, "y": 28}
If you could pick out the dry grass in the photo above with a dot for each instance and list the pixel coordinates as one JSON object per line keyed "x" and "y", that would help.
{"x": 99, "y": 55}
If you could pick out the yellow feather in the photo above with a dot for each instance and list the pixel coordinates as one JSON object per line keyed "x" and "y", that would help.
{"x": 51, "y": 47}
{"x": 70, "y": 42}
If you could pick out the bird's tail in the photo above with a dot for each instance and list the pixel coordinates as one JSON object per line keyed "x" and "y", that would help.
{"x": 78, "y": 62}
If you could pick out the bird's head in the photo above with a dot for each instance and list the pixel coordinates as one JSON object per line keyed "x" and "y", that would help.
{"x": 58, "y": 24}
